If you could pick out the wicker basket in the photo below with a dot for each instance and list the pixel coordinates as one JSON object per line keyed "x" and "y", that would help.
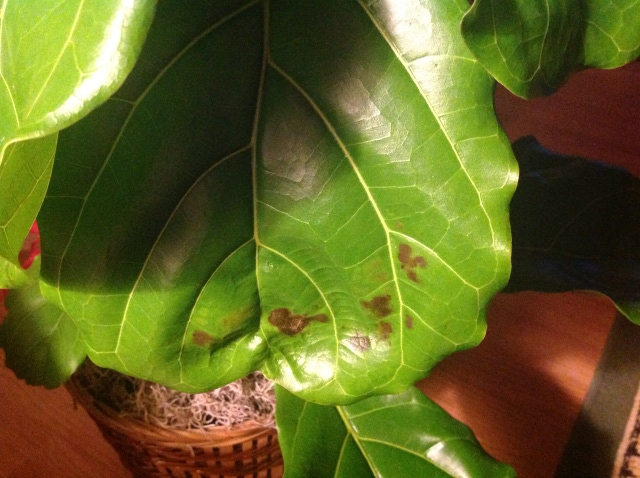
{"x": 248, "y": 450}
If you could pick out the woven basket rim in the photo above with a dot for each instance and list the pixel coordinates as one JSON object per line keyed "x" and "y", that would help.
{"x": 141, "y": 430}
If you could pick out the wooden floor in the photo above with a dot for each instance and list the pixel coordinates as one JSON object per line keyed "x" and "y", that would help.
{"x": 520, "y": 390}
{"x": 42, "y": 434}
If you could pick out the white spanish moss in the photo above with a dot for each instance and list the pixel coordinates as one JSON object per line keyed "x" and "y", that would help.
{"x": 250, "y": 398}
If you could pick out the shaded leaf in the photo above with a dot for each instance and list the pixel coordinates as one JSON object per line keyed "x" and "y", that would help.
{"x": 58, "y": 60}
{"x": 315, "y": 441}
{"x": 42, "y": 344}
{"x": 529, "y": 46}
{"x": 630, "y": 309}
{"x": 575, "y": 225}
{"x": 385, "y": 436}
{"x": 612, "y": 36}
{"x": 314, "y": 200}
{"x": 532, "y": 46}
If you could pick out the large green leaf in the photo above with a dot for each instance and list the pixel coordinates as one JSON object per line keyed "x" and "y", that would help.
{"x": 391, "y": 435}
{"x": 58, "y": 60}
{"x": 316, "y": 189}
{"x": 532, "y": 46}
{"x": 576, "y": 226}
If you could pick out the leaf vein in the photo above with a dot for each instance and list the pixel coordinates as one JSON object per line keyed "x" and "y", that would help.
{"x": 334, "y": 133}
{"x": 67, "y": 43}
{"x": 446, "y": 133}
{"x": 161, "y": 234}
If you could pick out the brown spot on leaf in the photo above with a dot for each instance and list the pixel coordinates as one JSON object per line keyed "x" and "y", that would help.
{"x": 408, "y": 321}
{"x": 292, "y": 324}
{"x": 384, "y": 330}
{"x": 202, "y": 338}
{"x": 361, "y": 343}
{"x": 379, "y": 306}
{"x": 410, "y": 262}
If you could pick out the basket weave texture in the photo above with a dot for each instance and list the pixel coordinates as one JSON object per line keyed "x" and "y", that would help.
{"x": 249, "y": 450}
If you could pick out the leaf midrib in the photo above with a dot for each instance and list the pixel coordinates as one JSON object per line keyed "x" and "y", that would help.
{"x": 56, "y": 63}
{"x": 116, "y": 142}
{"x": 450, "y": 141}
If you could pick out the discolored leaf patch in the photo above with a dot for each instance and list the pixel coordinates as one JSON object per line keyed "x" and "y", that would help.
{"x": 379, "y": 306}
{"x": 410, "y": 262}
{"x": 202, "y": 338}
{"x": 292, "y": 324}
{"x": 361, "y": 343}
{"x": 385, "y": 330}
{"x": 408, "y": 322}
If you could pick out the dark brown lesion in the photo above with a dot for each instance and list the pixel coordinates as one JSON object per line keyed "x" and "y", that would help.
{"x": 408, "y": 321}
{"x": 384, "y": 330}
{"x": 379, "y": 306}
{"x": 202, "y": 338}
{"x": 292, "y": 324}
{"x": 410, "y": 263}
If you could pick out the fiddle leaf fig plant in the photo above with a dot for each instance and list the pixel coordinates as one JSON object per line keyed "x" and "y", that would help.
{"x": 310, "y": 201}
{"x": 318, "y": 190}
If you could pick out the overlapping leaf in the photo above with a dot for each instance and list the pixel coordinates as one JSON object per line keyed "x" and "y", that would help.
{"x": 395, "y": 435}
{"x": 612, "y": 36}
{"x": 58, "y": 60}
{"x": 532, "y": 46}
{"x": 315, "y": 189}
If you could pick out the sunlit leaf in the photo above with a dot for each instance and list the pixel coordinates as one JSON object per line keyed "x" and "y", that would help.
{"x": 393, "y": 435}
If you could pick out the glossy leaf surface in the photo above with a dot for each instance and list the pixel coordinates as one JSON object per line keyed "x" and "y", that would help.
{"x": 58, "y": 60}
{"x": 393, "y": 435}
{"x": 325, "y": 200}
{"x": 576, "y": 226}
{"x": 532, "y": 46}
